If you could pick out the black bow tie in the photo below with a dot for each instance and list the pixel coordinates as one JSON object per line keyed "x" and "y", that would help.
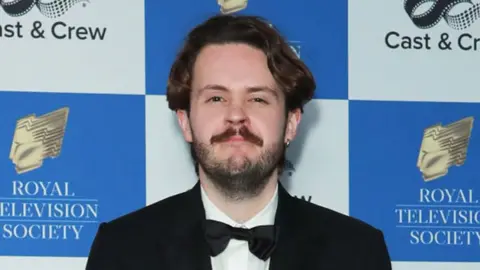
{"x": 261, "y": 240}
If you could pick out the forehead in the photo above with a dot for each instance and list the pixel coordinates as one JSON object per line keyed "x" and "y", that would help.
{"x": 234, "y": 66}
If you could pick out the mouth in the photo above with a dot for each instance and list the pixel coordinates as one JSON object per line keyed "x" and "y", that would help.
{"x": 236, "y": 138}
{"x": 235, "y": 141}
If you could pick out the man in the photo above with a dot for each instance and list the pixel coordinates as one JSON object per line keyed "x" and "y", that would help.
{"x": 238, "y": 91}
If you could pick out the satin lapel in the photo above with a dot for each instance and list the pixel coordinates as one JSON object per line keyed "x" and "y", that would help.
{"x": 187, "y": 248}
{"x": 189, "y": 252}
{"x": 294, "y": 243}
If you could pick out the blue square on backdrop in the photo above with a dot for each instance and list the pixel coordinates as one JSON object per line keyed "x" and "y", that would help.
{"x": 315, "y": 29}
{"x": 400, "y": 180}
{"x": 97, "y": 173}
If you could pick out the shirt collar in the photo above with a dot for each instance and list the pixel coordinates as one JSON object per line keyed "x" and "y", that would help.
{"x": 265, "y": 217}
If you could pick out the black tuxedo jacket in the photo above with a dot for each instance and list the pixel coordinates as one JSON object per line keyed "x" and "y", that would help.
{"x": 168, "y": 235}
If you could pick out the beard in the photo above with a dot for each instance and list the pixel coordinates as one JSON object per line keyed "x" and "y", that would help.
{"x": 238, "y": 178}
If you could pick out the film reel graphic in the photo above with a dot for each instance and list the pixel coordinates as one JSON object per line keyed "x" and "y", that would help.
{"x": 48, "y": 8}
{"x": 441, "y": 9}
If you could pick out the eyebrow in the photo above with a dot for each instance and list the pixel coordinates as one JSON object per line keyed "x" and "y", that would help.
{"x": 250, "y": 89}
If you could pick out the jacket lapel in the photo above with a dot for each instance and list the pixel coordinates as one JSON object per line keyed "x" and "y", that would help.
{"x": 186, "y": 247}
{"x": 296, "y": 247}
{"x": 189, "y": 252}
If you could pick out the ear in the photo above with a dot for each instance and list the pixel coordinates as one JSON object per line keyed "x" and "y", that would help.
{"x": 184, "y": 123}
{"x": 293, "y": 120}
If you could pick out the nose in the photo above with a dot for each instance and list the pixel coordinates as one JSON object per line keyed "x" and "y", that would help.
{"x": 236, "y": 115}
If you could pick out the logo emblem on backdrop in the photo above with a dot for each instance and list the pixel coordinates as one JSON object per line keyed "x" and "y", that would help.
{"x": 15, "y": 28}
{"x": 231, "y": 6}
{"x": 438, "y": 10}
{"x": 38, "y": 138}
{"x": 50, "y": 9}
{"x": 443, "y": 147}
{"x": 425, "y": 14}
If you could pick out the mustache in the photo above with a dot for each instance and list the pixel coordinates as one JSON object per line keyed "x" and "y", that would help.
{"x": 243, "y": 131}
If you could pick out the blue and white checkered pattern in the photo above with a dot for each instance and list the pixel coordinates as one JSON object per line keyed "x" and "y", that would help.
{"x": 385, "y": 70}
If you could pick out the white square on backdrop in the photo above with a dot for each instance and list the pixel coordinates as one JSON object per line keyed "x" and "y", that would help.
{"x": 169, "y": 167}
{"x": 412, "y": 71}
{"x": 94, "y": 47}
{"x": 42, "y": 263}
{"x": 319, "y": 156}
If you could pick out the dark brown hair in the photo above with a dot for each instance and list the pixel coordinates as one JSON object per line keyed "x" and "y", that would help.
{"x": 290, "y": 73}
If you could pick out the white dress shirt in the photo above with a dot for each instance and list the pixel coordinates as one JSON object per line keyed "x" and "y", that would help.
{"x": 237, "y": 256}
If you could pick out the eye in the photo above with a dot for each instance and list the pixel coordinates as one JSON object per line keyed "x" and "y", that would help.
{"x": 261, "y": 100}
{"x": 215, "y": 99}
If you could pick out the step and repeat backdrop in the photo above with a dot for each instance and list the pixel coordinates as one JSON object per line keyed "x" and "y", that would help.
{"x": 391, "y": 137}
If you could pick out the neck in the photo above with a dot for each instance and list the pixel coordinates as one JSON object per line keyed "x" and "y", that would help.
{"x": 240, "y": 210}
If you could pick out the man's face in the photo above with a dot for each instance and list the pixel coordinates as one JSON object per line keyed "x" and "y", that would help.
{"x": 237, "y": 122}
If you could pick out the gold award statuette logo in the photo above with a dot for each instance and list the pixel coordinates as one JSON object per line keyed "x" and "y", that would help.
{"x": 38, "y": 138}
{"x": 443, "y": 147}
{"x": 231, "y": 6}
